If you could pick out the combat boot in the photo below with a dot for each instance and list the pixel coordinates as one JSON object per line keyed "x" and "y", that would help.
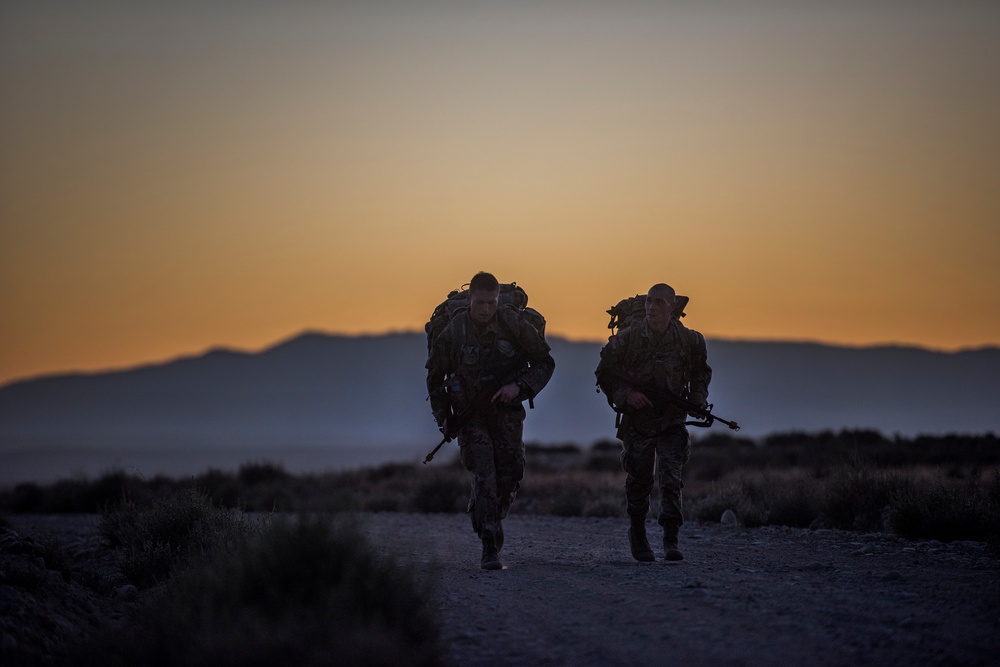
{"x": 670, "y": 550}
{"x": 637, "y": 541}
{"x": 491, "y": 557}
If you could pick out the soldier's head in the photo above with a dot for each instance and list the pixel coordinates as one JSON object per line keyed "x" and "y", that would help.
{"x": 660, "y": 300}
{"x": 484, "y": 297}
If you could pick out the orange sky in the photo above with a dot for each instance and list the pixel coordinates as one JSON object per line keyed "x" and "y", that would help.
{"x": 174, "y": 178}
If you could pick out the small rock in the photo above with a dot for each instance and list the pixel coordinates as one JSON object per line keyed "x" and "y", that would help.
{"x": 866, "y": 549}
{"x": 729, "y": 518}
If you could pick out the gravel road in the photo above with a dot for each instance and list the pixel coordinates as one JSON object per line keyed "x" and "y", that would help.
{"x": 570, "y": 594}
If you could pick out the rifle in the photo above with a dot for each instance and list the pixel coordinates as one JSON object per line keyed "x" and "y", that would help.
{"x": 660, "y": 397}
{"x": 457, "y": 422}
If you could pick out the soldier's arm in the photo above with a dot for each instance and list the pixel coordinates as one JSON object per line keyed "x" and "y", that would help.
{"x": 541, "y": 365}
{"x": 611, "y": 370}
{"x": 438, "y": 366}
{"x": 701, "y": 372}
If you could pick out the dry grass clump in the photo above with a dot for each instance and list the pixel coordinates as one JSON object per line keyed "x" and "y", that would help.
{"x": 231, "y": 589}
{"x": 948, "y": 509}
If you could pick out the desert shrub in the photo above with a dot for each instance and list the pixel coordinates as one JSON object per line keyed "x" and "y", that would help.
{"x": 711, "y": 506}
{"x": 601, "y": 463}
{"x": 443, "y": 490}
{"x": 604, "y": 456}
{"x": 709, "y": 465}
{"x": 748, "y": 499}
{"x": 793, "y": 503}
{"x": 64, "y": 496}
{"x": 383, "y": 503}
{"x": 170, "y": 520}
{"x": 25, "y": 497}
{"x": 154, "y": 539}
{"x": 254, "y": 473}
{"x": 387, "y": 471}
{"x": 571, "y": 493}
{"x": 77, "y": 495}
{"x": 302, "y": 592}
{"x": 568, "y": 501}
{"x": 222, "y": 488}
{"x": 761, "y": 501}
{"x": 108, "y": 490}
{"x": 948, "y": 510}
{"x": 857, "y": 497}
{"x": 552, "y": 458}
{"x": 337, "y": 499}
{"x": 267, "y": 497}
{"x": 860, "y": 497}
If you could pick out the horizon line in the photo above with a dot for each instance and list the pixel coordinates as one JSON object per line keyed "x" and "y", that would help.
{"x": 182, "y": 356}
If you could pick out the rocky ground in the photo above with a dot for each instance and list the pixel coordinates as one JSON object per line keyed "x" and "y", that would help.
{"x": 570, "y": 593}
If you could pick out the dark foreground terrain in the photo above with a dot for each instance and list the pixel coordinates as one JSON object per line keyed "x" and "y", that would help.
{"x": 570, "y": 594}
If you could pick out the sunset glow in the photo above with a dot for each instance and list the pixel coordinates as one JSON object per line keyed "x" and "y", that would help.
{"x": 178, "y": 177}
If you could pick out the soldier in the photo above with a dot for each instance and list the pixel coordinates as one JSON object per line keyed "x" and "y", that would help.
{"x": 658, "y": 352}
{"x": 491, "y": 359}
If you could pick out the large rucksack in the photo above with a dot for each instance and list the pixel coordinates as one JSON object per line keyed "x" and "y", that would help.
{"x": 633, "y": 309}
{"x": 513, "y": 305}
{"x": 623, "y": 314}
{"x": 513, "y": 300}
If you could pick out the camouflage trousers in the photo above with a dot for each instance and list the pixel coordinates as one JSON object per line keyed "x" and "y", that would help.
{"x": 492, "y": 449}
{"x": 666, "y": 452}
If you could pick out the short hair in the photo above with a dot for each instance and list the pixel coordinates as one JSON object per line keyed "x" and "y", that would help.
{"x": 663, "y": 287}
{"x": 484, "y": 282}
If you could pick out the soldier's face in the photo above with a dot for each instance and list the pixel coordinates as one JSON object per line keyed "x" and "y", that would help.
{"x": 659, "y": 308}
{"x": 483, "y": 306}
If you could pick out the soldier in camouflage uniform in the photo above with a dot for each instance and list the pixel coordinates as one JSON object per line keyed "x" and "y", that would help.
{"x": 486, "y": 350}
{"x": 658, "y": 352}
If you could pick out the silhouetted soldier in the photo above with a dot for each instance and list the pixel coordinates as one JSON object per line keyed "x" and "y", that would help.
{"x": 488, "y": 359}
{"x": 661, "y": 353}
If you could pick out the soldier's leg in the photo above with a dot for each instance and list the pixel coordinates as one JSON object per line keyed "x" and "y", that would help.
{"x": 637, "y": 462}
{"x": 638, "y": 455}
{"x": 673, "y": 451}
{"x": 477, "y": 457}
{"x": 508, "y": 451}
{"x": 508, "y": 448}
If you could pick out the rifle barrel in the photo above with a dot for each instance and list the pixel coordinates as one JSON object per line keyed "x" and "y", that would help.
{"x": 430, "y": 455}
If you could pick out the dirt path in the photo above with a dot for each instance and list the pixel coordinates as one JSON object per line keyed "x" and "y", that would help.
{"x": 571, "y": 594}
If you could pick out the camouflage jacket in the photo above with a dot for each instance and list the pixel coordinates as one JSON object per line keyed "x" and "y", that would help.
{"x": 468, "y": 359}
{"x": 676, "y": 360}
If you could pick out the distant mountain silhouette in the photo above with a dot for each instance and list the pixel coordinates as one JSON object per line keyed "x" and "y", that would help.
{"x": 336, "y": 399}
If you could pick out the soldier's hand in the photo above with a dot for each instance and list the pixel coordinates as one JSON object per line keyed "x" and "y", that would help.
{"x": 506, "y": 393}
{"x": 702, "y": 407}
{"x": 637, "y": 400}
{"x": 444, "y": 427}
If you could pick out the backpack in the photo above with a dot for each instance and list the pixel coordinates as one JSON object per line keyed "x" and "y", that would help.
{"x": 513, "y": 305}
{"x": 623, "y": 314}
{"x": 633, "y": 309}
{"x": 513, "y": 300}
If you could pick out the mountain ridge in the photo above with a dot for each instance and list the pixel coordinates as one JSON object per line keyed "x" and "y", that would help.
{"x": 330, "y": 394}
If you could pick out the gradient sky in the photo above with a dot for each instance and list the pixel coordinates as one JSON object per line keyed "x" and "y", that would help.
{"x": 177, "y": 176}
